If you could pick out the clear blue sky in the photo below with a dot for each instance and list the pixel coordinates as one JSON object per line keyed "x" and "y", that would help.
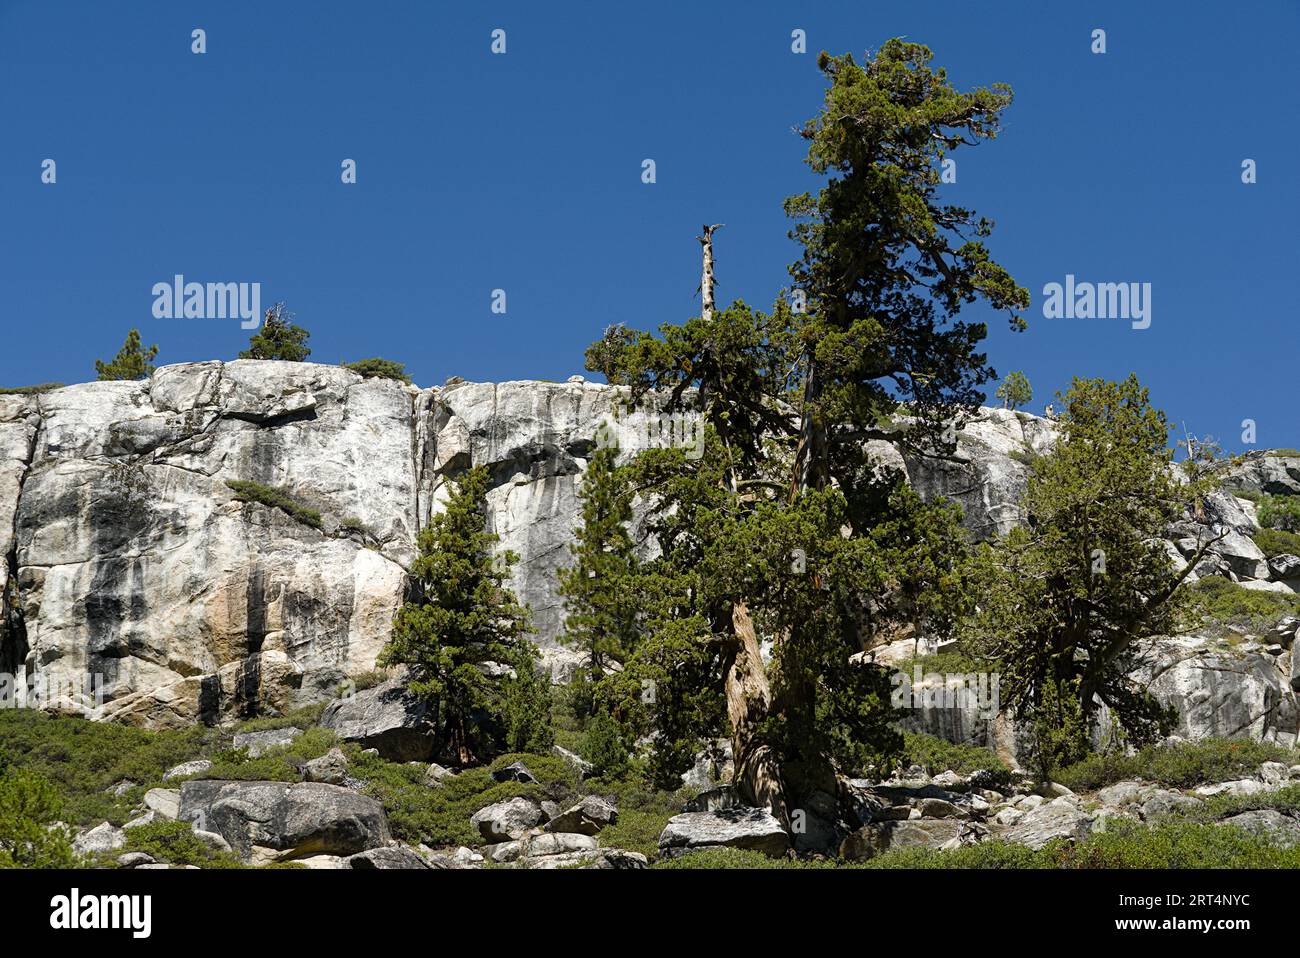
{"x": 522, "y": 172}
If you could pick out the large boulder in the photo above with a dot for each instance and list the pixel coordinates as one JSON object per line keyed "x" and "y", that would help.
{"x": 393, "y": 857}
{"x": 102, "y": 838}
{"x": 1269, "y": 824}
{"x": 258, "y": 743}
{"x": 508, "y": 820}
{"x": 1059, "y": 818}
{"x": 309, "y": 818}
{"x": 588, "y": 817}
{"x": 872, "y": 840}
{"x": 753, "y": 829}
{"x": 331, "y": 768}
{"x": 387, "y": 718}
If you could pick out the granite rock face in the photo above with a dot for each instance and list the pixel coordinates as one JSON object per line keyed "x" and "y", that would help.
{"x": 141, "y": 589}
{"x": 131, "y": 569}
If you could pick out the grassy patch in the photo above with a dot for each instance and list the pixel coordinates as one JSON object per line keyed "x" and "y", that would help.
{"x": 304, "y": 717}
{"x": 1125, "y": 845}
{"x": 280, "y": 763}
{"x": 643, "y": 811}
{"x": 248, "y": 491}
{"x": 736, "y": 858}
{"x": 1180, "y": 766}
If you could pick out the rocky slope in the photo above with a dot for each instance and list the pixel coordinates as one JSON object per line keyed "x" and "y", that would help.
{"x": 128, "y": 556}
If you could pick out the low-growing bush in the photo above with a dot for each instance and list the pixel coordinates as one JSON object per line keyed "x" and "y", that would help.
{"x": 377, "y": 368}
{"x": 248, "y": 491}
{"x": 279, "y": 763}
{"x": 174, "y": 843}
{"x": 1178, "y": 766}
{"x": 303, "y": 718}
{"x": 1279, "y": 512}
{"x": 30, "y": 806}
{"x": 29, "y": 390}
{"x": 937, "y": 755}
{"x": 1124, "y": 845}
{"x": 1227, "y": 603}
{"x": 84, "y": 759}
{"x": 1276, "y": 542}
{"x": 440, "y": 815}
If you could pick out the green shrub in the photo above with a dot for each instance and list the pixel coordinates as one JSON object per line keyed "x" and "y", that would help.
{"x": 1178, "y": 766}
{"x": 248, "y": 491}
{"x": 1124, "y": 845}
{"x": 354, "y": 525}
{"x": 1228, "y": 603}
{"x": 937, "y": 755}
{"x": 303, "y": 718}
{"x": 735, "y": 858}
{"x": 379, "y": 369}
{"x": 1279, "y": 512}
{"x": 29, "y": 806}
{"x": 440, "y": 815}
{"x": 603, "y": 745}
{"x": 1276, "y": 542}
{"x": 1283, "y": 453}
{"x": 280, "y": 763}
{"x": 643, "y": 811}
{"x": 84, "y": 759}
{"x": 526, "y": 703}
{"x": 174, "y": 843}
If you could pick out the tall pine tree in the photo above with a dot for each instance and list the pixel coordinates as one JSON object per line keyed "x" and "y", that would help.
{"x": 461, "y": 616}
{"x": 600, "y": 589}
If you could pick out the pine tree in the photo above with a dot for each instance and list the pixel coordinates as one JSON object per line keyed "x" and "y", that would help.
{"x": 526, "y": 703}
{"x": 600, "y": 589}
{"x": 1015, "y": 391}
{"x": 1066, "y": 601}
{"x": 462, "y": 615}
{"x": 785, "y": 525}
{"x": 278, "y": 338}
{"x": 131, "y": 362}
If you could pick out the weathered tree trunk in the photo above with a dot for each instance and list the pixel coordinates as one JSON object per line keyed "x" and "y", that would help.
{"x": 749, "y": 698}
{"x": 707, "y": 281}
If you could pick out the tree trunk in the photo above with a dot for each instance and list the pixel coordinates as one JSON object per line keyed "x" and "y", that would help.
{"x": 706, "y": 278}
{"x": 749, "y": 698}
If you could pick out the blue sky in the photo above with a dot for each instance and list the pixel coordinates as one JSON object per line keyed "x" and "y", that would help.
{"x": 522, "y": 172}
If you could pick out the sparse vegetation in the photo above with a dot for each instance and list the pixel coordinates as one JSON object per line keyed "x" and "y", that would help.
{"x": 248, "y": 491}
{"x": 29, "y": 390}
